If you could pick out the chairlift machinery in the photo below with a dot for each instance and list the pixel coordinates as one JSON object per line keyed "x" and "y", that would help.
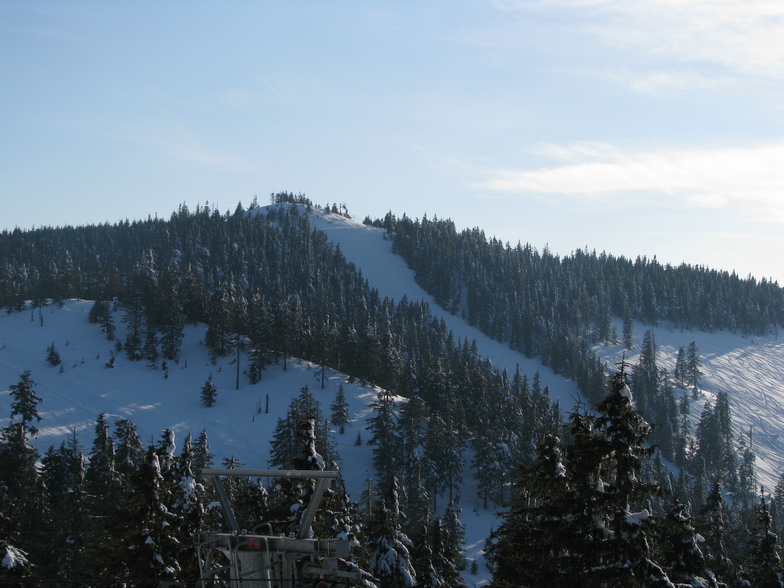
{"x": 257, "y": 559}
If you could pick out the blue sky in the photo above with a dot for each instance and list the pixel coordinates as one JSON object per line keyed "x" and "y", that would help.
{"x": 636, "y": 127}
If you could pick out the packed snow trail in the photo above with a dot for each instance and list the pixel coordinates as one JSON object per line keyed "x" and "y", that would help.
{"x": 750, "y": 370}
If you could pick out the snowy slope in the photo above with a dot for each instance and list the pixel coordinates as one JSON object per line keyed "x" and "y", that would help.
{"x": 237, "y": 424}
{"x": 368, "y": 249}
{"x": 751, "y": 371}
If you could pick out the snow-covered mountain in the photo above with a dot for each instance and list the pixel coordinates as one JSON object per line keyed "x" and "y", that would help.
{"x": 241, "y": 423}
{"x": 749, "y": 369}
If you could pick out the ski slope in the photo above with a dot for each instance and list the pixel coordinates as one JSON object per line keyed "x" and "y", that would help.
{"x": 750, "y": 370}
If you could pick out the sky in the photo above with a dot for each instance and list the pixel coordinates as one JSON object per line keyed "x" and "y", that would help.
{"x": 637, "y": 127}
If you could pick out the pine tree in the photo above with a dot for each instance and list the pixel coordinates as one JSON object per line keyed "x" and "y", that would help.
{"x": 383, "y": 438}
{"x": 104, "y": 495}
{"x": 25, "y": 402}
{"x": 208, "y": 392}
{"x": 572, "y": 515}
{"x": 682, "y": 555}
{"x": 528, "y": 547}
{"x": 63, "y": 473}
{"x": 143, "y": 544}
{"x": 645, "y": 375}
{"x": 451, "y": 561}
{"x": 765, "y": 566}
{"x": 693, "y": 373}
{"x": 747, "y": 477}
{"x": 339, "y": 410}
{"x": 287, "y": 444}
{"x": 24, "y": 515}
{"x": 53, "y": 356}
{"x": 411, "y": 427}
{"x": 189, "y": 507}
{"x": 444, "y": 455}
{"x": 202, "y": 457}
{"x": 777, "y": 506}
{"x": 129, "y": 450}
{"x": 712, "y": 523}
{"x": 390, "y": 563}
{"x": 628, "y": 329}
{"x": 680, "y": 374}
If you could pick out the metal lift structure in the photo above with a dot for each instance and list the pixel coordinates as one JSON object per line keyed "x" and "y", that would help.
{"x": 242, "y": 559}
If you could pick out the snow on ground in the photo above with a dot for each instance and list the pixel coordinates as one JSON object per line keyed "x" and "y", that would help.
{"x": 750, "y": 370}
{"x": 370, "y": 251}
{"x": 237, "y": 425}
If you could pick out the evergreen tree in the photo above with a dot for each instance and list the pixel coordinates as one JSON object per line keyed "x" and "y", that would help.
{"x": 693, "y": 373}
{"x": 528, "y": 547}
{"x": 339, "y": 410}
{"x": 202, "y": 457}
{"x": 63, "y": 473}
{"x": 25, "y": 402}
{"x": 628, "y": 329}
{"x": 747, "y": 476}
{"x": 449, "y": 558}
{"x": 391, "y": 562}
{"x": 777, "y": 506}
{"x": 143, "y": 543}
{"x": 645, "y": 376}
{"x": 411, "y": 428}
{"x": 129, "y": 450}
{"x": 682, "y": 556}
{"x": 444, "y": 454}
{"x": 765, "y": 567}
{"x": 208, "y": 392}
{"x": 572, "y": 515}
{"x": 53, "y": 356}
{"x": 383, "y": 438}
{"x": 287, "y": 443}
{"x": 712, "y": 523}
{"x": 24, "y": 516}
{"x": 680, "y": 374}
{"x": 189, "y": 507}
{"x": 104, "y": 495}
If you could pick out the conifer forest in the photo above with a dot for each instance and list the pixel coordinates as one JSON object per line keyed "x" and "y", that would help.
{"x": 627, "y": 487}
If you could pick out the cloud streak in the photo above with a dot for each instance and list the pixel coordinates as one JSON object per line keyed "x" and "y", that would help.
{"x": 752, "y": 178}
{"x": 744, "y": 36}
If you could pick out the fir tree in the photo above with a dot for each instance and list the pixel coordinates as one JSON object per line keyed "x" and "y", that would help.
{"x": 25, "y": 402}
{"x": 202, "y": 456}
{"x": 692, "y": 367}
{"x": 53, "y": 356}
{"x": 144, "y": 543}
{"x": 24, "y": 516}
{"x": 713, "y": 521}
{"x": 339, "y": 410}
{"x": 682, "y": 556}
{"x": 390, "y": 563}
{"x": 765, "y": 567}
{"x": 680, "y": 373}
{"x": 129, "y": 450}
{"x": 208, "y": 392}
{"x": 572, "y": 515}
{"x": 63, "y": 473}
{"x": 383, "y": 438}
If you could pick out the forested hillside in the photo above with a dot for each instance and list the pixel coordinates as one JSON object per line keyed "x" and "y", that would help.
{"x": 269, "y": 287}
{"x": 554, "y": 308}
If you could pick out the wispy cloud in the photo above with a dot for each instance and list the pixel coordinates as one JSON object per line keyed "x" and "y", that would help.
{"x": 751, "y": 178}
{"x": 192, "y": 150}
{"x": 744, "y": 36}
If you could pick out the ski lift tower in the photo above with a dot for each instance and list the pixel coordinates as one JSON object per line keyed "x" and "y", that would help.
{"x": 257, "y": 560}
